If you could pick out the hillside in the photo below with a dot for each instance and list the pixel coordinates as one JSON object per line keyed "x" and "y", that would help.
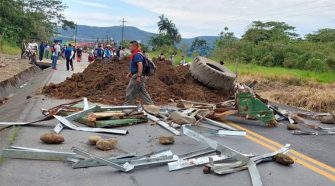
{"x": 91, "y": 33}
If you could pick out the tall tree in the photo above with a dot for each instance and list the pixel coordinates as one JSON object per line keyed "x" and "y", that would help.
{"x": 168, "y": 28}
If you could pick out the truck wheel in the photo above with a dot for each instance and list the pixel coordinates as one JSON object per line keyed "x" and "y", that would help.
{"x": 212, "y": 74}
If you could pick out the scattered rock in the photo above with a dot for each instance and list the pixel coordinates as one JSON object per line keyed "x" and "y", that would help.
{"x": 327, "y": 119}
{"x": 273, "y": 124}
{"x": 166, "y": 140}
{"x": 152, "y": 109}
{"x": 283, "y": 159}
{"x": 180, "y": 105}
{"x": 293, "y": 127}
{"x": 206, "y": 170}
{"x": 106, "y": 144}
{"x": 93, "y": 139}
{"x": 28, "y": 97}
{"x": 52, "y": 138}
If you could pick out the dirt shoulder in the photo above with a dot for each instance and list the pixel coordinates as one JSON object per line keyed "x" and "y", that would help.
{"x": 11, "y": 65}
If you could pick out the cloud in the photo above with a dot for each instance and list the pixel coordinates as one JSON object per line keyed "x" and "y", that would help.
{"x": 194, "y": 18}
{"x": 210, "y": 17}
{"x": 92, "y": 4}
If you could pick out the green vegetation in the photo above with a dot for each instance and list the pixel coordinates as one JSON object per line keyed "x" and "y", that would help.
{"x": 168, "y": 34}
{"x": 276, "y": 44}
{"x": 27, "y": 20}
{"x": 9, "y": 48}
{"x": 277, "y": 73}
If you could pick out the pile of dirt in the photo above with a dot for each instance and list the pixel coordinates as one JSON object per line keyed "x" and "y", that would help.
{"x": 106, "y": 82}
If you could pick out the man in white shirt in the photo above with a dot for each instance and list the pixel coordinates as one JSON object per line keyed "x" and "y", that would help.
{"x": 55, "y": 55}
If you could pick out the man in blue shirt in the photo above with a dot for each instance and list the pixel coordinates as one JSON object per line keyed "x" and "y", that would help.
{"x": 69, "y": 53}
{"x": 136, "y": 84}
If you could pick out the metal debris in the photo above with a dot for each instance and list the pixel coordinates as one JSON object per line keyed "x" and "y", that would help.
{"x": 37, "y": 154}
{"x": 67, "y": 123}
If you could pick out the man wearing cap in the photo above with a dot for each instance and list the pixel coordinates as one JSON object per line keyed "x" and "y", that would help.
{"x": 136, "y": 84}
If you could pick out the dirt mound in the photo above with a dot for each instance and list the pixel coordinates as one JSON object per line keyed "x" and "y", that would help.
{"x": 105, "y": 82}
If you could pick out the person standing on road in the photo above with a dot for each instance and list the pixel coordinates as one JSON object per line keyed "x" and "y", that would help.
{"x": 47, "y": 51}
{"x": 136, "y": 84}
{"x": 107, "y": 52}
{"x": 55, "y": 54}
{"x": 100, "y": 52}
{"x": 69, "y": 53}
{"x": 79, "y": 54}
{"x": 122, "y": 53}
{"x": 41, "y": 50}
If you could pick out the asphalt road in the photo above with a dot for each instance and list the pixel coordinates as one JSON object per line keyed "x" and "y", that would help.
{"x": 314, "y": 155}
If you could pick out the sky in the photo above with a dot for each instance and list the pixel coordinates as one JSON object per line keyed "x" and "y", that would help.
{"x": 203, "y": 18}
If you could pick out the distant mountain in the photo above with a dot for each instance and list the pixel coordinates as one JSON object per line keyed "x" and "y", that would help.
{"x": 91, "y": 33}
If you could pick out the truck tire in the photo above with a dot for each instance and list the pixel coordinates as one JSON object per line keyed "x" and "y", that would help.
{"x": 212, "y": 74}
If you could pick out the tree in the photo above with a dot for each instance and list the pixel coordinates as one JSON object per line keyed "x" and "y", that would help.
{"x": 271, "y": 30}
{"x": 31, "y": 19}
{"x": 168, "y": 33}
{"x": 200, "y": 46}
{"x": 322, "y": 35}
{"x": 226, "y": 38}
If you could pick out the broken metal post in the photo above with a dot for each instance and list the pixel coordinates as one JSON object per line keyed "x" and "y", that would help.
{"x": 214, "y": 132}
{"x": 37, "y": 154}
{"x": 125, "y": 168}
{"x": 217, "y": 124}
{"x": 163, "y": 124}
{"x": 87, "y": 129}
{"x": 215, "y": 145}
{"x": 119, "y": 159}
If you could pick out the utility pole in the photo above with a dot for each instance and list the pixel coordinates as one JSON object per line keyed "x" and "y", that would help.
{"x": 123, "y": 21}
{"x": 75, "y": 35}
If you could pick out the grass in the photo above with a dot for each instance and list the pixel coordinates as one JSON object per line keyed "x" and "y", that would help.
{"x": 7, "y": 48}
{"x": 282, "y": 73}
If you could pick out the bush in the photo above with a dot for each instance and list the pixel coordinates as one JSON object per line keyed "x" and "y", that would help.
{"x": 330, "y": 61}
{"x": 316, "y": 65}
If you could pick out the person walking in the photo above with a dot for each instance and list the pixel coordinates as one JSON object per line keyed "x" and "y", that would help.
{"x": 136, "y": 84}
{"x": 69, "y": 53}
{"x": 55, "y": 55}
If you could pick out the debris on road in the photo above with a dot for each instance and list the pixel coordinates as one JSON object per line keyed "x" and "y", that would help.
{"x": 92, "y": 140}
{"x": 283, "y": 159}
{"x": 106, "y": 144}
{"x": 52, "y": 138}
{"x": 166, "y": 140}
{"x": 293, "y": 126}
